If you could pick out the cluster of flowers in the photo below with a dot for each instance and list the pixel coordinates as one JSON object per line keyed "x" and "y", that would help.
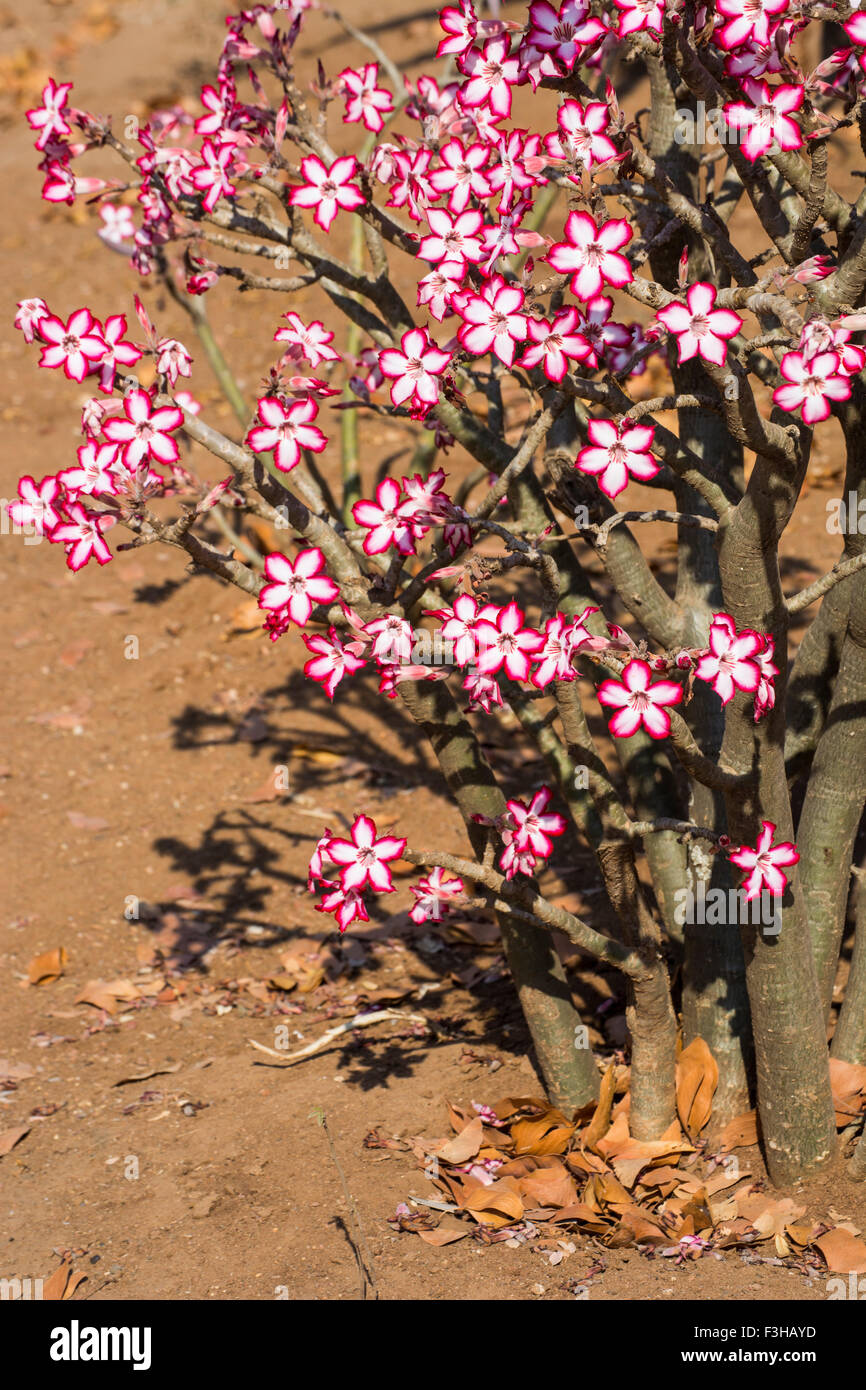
{"x": 486, "y": 640}
{"x": 527, "y": 834}
{"x": 124, "y": 436}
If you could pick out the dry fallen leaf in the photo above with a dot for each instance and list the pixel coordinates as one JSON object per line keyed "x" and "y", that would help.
{"x": 61, "y": 1285}
{"x": 844, "y": 1253}
{"x": 497, "y": 1204}
{"x": 697, "y": 1079}
{"x": 739, "y": 1133}
{"x": 463, "y": 1146}
{"x": 106, "y": 994}
{"x": 10, "y": 1137}
{"x": 47, "y": 967}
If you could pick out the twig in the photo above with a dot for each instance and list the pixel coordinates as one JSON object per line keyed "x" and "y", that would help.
{"x": 359, "y": 1021}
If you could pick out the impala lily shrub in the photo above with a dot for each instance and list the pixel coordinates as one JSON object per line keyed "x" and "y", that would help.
{"x": 560, "y": 315}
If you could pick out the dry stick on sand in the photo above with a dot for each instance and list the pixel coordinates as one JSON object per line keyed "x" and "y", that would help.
{"x": 359, "y": 1021}
{"x": 362, "y": 1252}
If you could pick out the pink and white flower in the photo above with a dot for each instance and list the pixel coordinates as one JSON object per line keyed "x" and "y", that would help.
{"x": 75, "y": 346}
{"x": 49, "y": 118}
{"x": 811, "y": 385}
{"x": 173, "y": 360}
{"x": 295, "y": 587}
{"x": 730, "y": 664}
{"x": 435, "y": 290}
{"x": 616, "y": 453}
{"x": 765, "y": 862}
{"x": 346, "y": 906}
{"x": 413, "y": 371}
{"x": 310, "y": 342}
{"x": 452, "y": 238}
{"x": 561, "y": 640}
{"x": 552, "y": 344}
{"x": 433, "y": 895}
{"x": 642, "y": 14}
{"x": 389, "y": 521}
{"x": 701, "y": 330}
{"x": 748, "y": 21}
{"x": 491, "y": 75}
{"x": 507, "y": 643}
{"x": 581, "y": 133}
{"x": 460, "y": 623}
{"x": 327, "y": 190}
{"x": 767, "y": 122}
{"x": 591, "y": 254}
{"x": 95, "y": 470}
{"x": 82, "y": 535}
{"x": 562, "y": 34}
{"x": 365, "y": 857}
{"x": 287, "y": 429}
{"x": 491, "y": 321}
{"x": 145, "y": 431}
{"x": 30, "y": 314}
{"x": 393, "y": 639}
{"x": 533, "y": 828}
{"x": 460, "y": 174}
{"x": 34, "y": 507}
{"x": 332, "y": 660}
{"x": 639, "y": 703}
{"x": 211, "y": 176}
{"x": 765, "y": 695}
{"x": 117, "y": 224}
{"x": 364, "y": 100}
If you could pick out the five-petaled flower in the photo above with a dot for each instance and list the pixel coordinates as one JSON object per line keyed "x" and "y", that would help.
{"x": 767, "y": 122}
{"x": 492, "y": 74}
{"x": 75, "y": 346}
{"x": 34, "y": 506}
{"x": 82, "y": 535}
{"x": 364, "y": 100}
{"x": 491, "y": 321}
{"x": 811, "y": 384}
{"x": 552, "y": 344}
{"x": 591, "y": 254}
{"x": 306, "y": 341}
{"x": 532, "y": 827}
{"x": 414, "y": 369}
{"x": 211, "y": 176}
{"x": 452, "y": 237}
{"x": 49, "y": 118}
{"x": 638, "y": 702}
{"x": 388, "y": 520}
{"x": 765, "y": 862}
{"x": 287, "y": 429}
{"x": 433, "y": 895}
{"x": 365, "y": 857}
{"x": 731, "y": 662}
{"x": 460, "y": 174}
{"x": 145, "y": 431}
{"x": 701, "y": 330}
{"x": 332, "y": 660}
{"x": 296, "y": 587}
{"x": 327, "y": 190}
{"x": 617, "y": 452}
{"x": 507, "y": 643}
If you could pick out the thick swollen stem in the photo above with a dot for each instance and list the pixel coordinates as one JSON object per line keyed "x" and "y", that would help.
{"x": 569, "y": 1070}
{"x": 849, "y": 1039}
{"x": 795, "y": 1103}
{"x": 834, "y": 802}
{"x": 649, "y": 1013}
